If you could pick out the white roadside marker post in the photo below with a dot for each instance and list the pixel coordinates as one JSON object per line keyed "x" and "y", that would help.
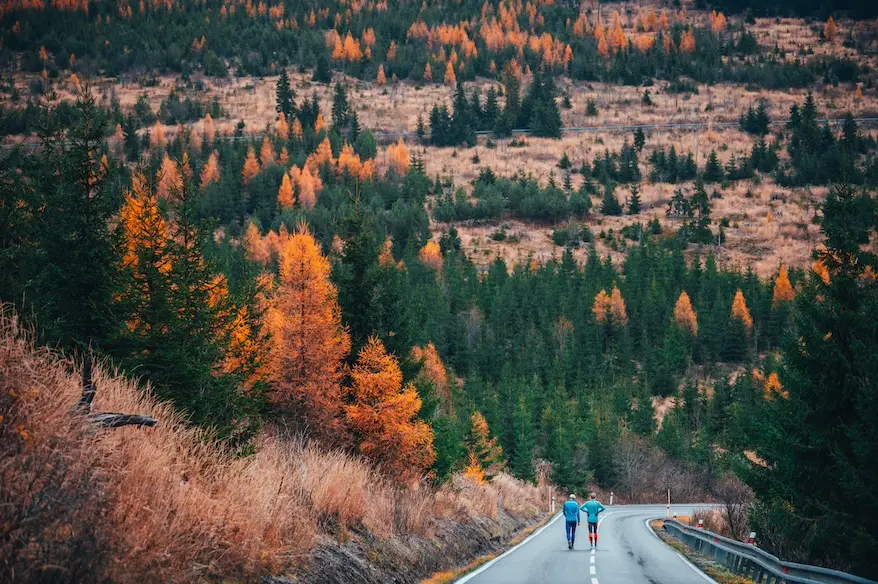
{"x": 611, "y": 497}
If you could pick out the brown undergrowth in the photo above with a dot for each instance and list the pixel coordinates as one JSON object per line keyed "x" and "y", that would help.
{"x": 163, "y": 504}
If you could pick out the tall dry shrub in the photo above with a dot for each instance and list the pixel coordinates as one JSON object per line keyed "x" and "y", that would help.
{"x": 162, "y": 504}
{"x": 54, "y": 499}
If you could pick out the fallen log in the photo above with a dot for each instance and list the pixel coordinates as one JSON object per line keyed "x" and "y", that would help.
{"x": 105, "y": 419}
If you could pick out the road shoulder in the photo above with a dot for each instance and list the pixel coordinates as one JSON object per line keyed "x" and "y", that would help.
{"x": 706, "y": 566}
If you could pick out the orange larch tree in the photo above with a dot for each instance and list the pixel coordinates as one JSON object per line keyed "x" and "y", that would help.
{"x": 281, "y": 127}
{"x": 255, "y": 245}
{"x": 488, "y": 453}
{"x": 398, "y": 158}
{"x": 307, "y": 184}
{"x": 286, "y": 198}
{"x": 428, "y": 73}
{"x": 308, "y": 342}
{"x": 381, "y": 79}
{"x": 740, "y": 311}
{"x": 684, "y": 314}
{"x": 208, "y": 129}
{"x": 382, "y": 415}
{"x": 434, "y": 371}
{"x": 783, "y": 290}
{"x": 157, "y": 137}
{"x": 431, "y": 255}
{"x": 210, "y": 172}
{"x": 297, "y": 129}
{"x": 610, "y": 308}
{"x": 251, "y": 166}
{"x": 266, "y": 153}
{"x": 450, "y": 78}
{"x": 169, "y": 178}
{"x": 687, "y": 41}
{"x": 830, "y": 31}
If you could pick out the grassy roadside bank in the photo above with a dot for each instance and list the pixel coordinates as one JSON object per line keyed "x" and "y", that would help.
{"x": 446, "y": 577}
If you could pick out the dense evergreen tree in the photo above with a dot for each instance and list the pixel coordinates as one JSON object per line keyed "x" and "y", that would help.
{"x": 812, "y": 438}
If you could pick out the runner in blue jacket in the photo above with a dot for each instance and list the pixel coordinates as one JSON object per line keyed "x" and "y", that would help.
{"x": 593, "y": 508}
{"x": 571, "y": 519}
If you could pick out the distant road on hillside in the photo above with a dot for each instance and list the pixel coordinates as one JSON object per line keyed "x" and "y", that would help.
{"x": 628, "y": 128}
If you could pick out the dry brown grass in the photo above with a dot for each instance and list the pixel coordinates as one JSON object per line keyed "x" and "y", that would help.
{"x": 165, "y": 504}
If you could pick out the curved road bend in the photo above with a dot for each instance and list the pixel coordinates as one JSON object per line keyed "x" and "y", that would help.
{"x": 628, "y": 553}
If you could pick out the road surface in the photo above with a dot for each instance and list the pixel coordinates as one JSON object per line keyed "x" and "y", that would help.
{"x": 628, "y": 553}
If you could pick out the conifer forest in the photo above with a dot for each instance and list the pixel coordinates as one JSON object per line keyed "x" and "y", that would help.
{"x": 372, "y": 266}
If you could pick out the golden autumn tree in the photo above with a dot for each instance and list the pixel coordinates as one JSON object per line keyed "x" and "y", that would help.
{"x": 783, "y": 290}
{"x": 381, "y": 80}
{"x": 398, "y": 158}
{"x": 157, "y": 137}
{"x": 610, "y": 308}
{"x": 473, "y": 469}
{"x": 618, "y": 40}
{"x": 297, "y": 129}
{"x": 433, "y": 369}
{"x": 450, "y": 78}
{"x": 740, "y": 310}
{"x": 482, "y": 448}
{"x": 349, "y": 163}
{"x": 821, "y": 271}
{"x": 169, "y": 178}
{"x": 382, "y": 415}
{"x": 281, "y": 127}
{"x": 717, "y": 22}
{"x": 428, "y": 73}
{"x": 208, "y": 129}
{"x": 144, "y": 231}
{"x": 210, "y": 173}
{"x": 307, "y": 185}
{"x": 308, "y": 342}
{"x": 830, "y": 31}
{"x": 266, "y": 153}
{"x": 285, "y": 195}
{"x": 601, "y": 38}
{"x": 687, "y": 41}
{"x": 257, "y": 248}
{"x": 251, "y": 166}
{"x": 684, "y": 314}
{"x": 431, "y": 255}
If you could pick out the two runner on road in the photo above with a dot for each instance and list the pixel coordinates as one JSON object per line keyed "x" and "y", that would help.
{"x": 592, "y": 508}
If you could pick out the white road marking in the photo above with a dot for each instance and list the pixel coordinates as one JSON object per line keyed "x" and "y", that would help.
{"x": 592, "y": 559}
{"x": 697, "y": 571}
{"x": 682, "y": 557}
{"x": 651, "y": 530}
{"x": 591, "y": 571}
{"x": 487, "y": 565}
{"x": 594, "y": 581}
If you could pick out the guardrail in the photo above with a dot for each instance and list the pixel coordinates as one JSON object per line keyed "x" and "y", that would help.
{"x": 751, "y": 562}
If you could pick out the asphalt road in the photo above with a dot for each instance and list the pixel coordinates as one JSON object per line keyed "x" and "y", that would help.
{"x": 628, "y": 553}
